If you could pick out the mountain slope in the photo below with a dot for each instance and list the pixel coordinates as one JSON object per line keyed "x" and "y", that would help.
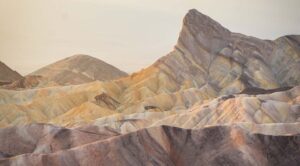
{"x": 8, "y": 75}
{"x": 216, "y": 61}
{"x": 207, "y": 54}
{"x": 79, "y": 69}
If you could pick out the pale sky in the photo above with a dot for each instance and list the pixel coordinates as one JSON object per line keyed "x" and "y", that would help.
{"x": 129, "y": 34}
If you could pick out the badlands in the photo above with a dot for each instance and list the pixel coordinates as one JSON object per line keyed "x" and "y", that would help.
{"x": 218, "y": 98}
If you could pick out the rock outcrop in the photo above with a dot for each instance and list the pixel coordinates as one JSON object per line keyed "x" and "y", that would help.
{"x": 105, "y": 100}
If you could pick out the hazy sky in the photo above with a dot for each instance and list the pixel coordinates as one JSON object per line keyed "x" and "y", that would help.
{"x": 129, "y": 34}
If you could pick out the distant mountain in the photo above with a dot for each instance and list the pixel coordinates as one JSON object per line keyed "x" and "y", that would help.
{"x": 79, "y": 69}
{"x": 7, "y": 75}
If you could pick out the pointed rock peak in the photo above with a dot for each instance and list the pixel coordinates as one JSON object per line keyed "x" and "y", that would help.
{"x": 194, "y": 17}
{"x": 200, "y": 22}
{"x": 199, "y": 30}
{"x": 195, "y": 14}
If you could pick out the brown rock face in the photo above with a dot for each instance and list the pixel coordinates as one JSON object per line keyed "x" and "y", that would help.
{"x": 105, "y": 100}
{"x": 79, "y": 69}
{"x": 7, "y": 75}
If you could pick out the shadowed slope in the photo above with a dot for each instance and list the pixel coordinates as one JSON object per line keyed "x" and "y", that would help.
{"x": 7, "y": 75}
{"x": 217, "y": 145}
{"x": 42, "y": 138}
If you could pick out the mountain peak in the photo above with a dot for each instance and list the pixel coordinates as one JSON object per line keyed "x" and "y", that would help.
{"x": 200, "y": 29}
{"x": 195, "y": 13}
{"x": 81, "y": 56}
{"x": 79, "y": 68}
{"x": 196, "y": 18}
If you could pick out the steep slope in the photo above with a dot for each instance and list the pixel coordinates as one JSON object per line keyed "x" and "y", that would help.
{"x": 7, "y": 75}
{"x": 219, "y": 145}
{"x": 208, "y": 54}
{"x": 79, "y": 69}
{"x": 216, "y": 61}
